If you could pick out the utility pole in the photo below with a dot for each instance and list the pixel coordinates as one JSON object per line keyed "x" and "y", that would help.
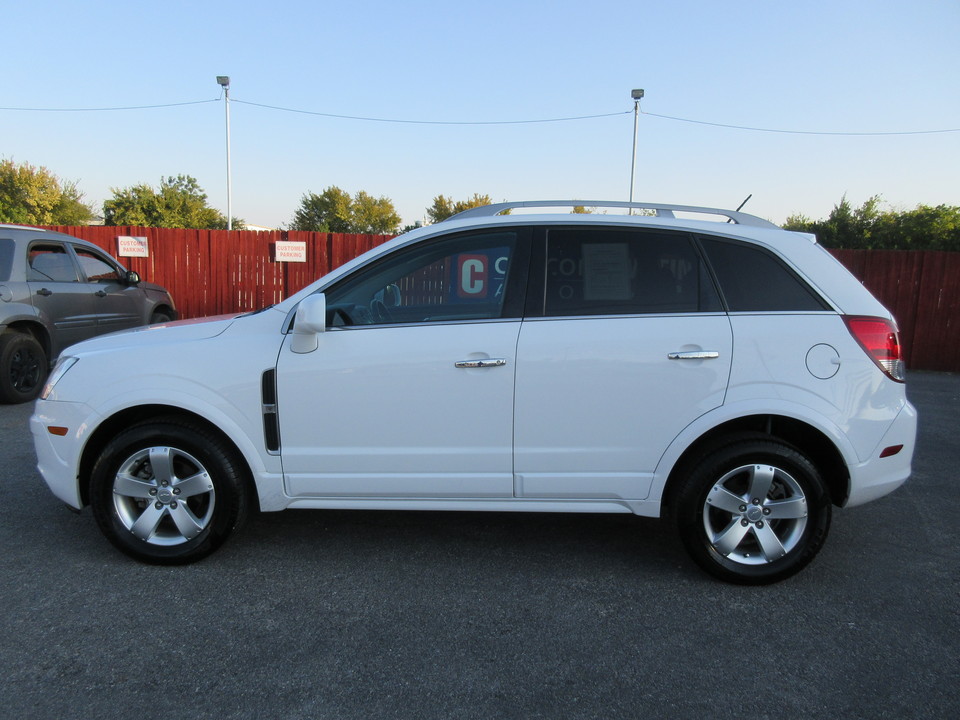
{"x": 224, "y": 82}
{"x": 636, "y": 95}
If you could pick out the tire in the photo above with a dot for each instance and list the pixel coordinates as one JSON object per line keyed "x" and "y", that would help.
{"x": 23, "y": 367}
{"x": 159, "y": 317}
{"x": 753, "y": 512}
{"x": 168, "y": 491}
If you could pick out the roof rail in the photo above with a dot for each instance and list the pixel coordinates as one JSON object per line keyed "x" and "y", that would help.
{"x": 664, "y": 211}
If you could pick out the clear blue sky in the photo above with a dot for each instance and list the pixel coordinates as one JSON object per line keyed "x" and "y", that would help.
{"x": 832, "y": 66}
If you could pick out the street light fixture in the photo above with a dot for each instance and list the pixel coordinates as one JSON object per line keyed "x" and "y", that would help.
{"x": 224, "y": 82}
{"x": 636, "y": 95}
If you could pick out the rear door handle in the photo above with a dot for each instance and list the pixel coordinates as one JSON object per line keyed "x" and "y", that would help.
{"x": 45, "y": 292}
{"x": 694, "y": 355}
{"x": 490, "y": 362}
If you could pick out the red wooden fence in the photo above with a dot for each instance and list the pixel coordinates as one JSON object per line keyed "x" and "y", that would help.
{"x": 211, "y": 272}
{"x": 922, "y": 290}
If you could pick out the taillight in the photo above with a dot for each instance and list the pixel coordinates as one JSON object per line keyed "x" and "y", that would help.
{"x": 878, "y": 337}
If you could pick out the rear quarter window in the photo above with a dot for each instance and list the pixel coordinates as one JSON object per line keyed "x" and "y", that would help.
{"x": 754, "y": 280}
{"x": 6, "y": 258}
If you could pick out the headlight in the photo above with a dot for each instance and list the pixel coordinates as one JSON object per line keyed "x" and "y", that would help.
{"x": 59, "y": 370}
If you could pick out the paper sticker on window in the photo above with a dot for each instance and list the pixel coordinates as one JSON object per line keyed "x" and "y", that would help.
{"x": 606, "y": 271}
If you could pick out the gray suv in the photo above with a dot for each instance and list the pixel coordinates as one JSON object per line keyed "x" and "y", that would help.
{"x": 56, "y": 290}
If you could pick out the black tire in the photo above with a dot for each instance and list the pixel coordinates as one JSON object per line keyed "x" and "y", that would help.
{"x": 23, "y": 367}
{"x": 168, "y": 491}
{"x": 753, "y": 512}
{"x": 159, "y": 317}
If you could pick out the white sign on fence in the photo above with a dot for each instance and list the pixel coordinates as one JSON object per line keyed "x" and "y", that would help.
{"x": 128, "y": 246}
{"x": 290, "y": 251}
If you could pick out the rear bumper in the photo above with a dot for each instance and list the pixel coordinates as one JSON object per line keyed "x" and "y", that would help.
{"x": 880, "y": 476}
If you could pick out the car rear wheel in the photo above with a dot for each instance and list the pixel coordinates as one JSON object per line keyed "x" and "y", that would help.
{"x": 168, "y": 491}
{"x": 23, "y": 367}
{"x": 753, "y": 512}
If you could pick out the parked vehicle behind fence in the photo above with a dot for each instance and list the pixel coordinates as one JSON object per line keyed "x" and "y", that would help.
{"x": 57, "y": 290}
{"x": 731, "y": 377}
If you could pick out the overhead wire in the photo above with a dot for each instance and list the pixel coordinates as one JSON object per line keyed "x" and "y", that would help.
{"x": 363, "y": 118}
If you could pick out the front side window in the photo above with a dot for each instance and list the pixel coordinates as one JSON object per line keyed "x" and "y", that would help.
{"x": 608, "y": 271}
{"x": 95, "y": 267}
{"x": 464, "y": 277}
{"x": 50, "y": 262}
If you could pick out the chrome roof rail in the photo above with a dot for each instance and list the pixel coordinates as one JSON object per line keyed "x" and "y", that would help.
{"x": 664, "y": 211}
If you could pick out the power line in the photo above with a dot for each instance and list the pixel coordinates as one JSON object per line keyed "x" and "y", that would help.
{"x": 109, "y": 109}
{"x": 798, "y": 132}
{"x": 363, "y": 118}
{"x": 432, "y": 122}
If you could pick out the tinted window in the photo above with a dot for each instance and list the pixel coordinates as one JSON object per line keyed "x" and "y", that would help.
{"x": 95, "y": 267}
{"x": 6, "y": 257}
{"x": 592, "y": 271}
{"x": 52, "y": 263}
{"x": 459, "y": 278}
{"x": 753, "y": 280}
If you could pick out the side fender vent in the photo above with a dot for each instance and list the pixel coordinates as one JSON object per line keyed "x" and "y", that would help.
{"x": 271, "y": 422}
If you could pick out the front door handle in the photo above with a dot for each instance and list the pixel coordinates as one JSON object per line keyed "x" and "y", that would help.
{"x": 101, "y": 293}
{"x": 489, "y": 362}
{"x": 45, "y": 292}
{"x": 694, "y": 355}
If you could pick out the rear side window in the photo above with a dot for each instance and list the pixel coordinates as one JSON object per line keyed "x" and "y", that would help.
{"x": 609, "y": 271}
{"x": 6, "y": 258}
{"x": 753, "y": 280}
{"x": 50, "y": 263}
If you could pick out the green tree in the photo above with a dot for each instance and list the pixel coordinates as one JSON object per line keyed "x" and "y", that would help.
{"x": 868, "y": 227}
{"x": 178, "y": 203}
{"x": 34, "y": 196}
{"x": 444, "y": 207}
{"x": 335, "y": 211}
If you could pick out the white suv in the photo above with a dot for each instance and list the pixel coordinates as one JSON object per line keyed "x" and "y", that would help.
{"x": 731, "y": 376}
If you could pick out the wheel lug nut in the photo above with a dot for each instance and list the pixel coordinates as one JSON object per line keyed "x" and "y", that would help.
{"x": 176, "y": 491}
{"x": 759, "y": 523}
{"x": 174, "y": 505}
{"x": 744, "y": 522}
{"x": 743, "y": 508}
{"x": 159, "y": 505}
{"x": 756, "y": 501}
{"x": 153, "y": 491}
{"x": 766, "y": 511}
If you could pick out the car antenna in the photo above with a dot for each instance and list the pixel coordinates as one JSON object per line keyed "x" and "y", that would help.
{"x": 740, "y": 207}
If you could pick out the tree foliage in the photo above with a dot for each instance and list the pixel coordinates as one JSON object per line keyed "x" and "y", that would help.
{"x": 335, "y": 211}
{"x": 179, "y": 202}
{"x": 869, "y": 227}
{"x": 444, "y": 207}
{"x": 34, "y": 196}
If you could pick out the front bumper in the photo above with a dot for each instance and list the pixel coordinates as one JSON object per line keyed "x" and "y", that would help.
{"x": 58, "y": 455}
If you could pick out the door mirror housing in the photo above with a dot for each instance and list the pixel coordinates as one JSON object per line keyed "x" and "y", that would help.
{"x": 308, "y": 323}
{"x": 133, "y": 278}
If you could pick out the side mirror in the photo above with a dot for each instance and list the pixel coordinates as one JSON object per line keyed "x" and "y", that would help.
{"x": 308, "y": 323}
{"x": 133, "y": 278}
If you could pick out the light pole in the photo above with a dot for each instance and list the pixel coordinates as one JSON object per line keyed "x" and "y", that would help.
{"x": 224, "y": 82}
{"x": 636, "y": 95}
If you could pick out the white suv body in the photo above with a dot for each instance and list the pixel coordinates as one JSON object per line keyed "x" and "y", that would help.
{"x": 732, "y": 376}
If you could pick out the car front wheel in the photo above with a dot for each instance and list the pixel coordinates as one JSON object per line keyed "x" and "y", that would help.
{"x": 168, "y": 491}
{"x": 753, "y": 512}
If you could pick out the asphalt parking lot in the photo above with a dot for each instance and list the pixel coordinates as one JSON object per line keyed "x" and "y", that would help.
{"x": 454, "y": 615}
